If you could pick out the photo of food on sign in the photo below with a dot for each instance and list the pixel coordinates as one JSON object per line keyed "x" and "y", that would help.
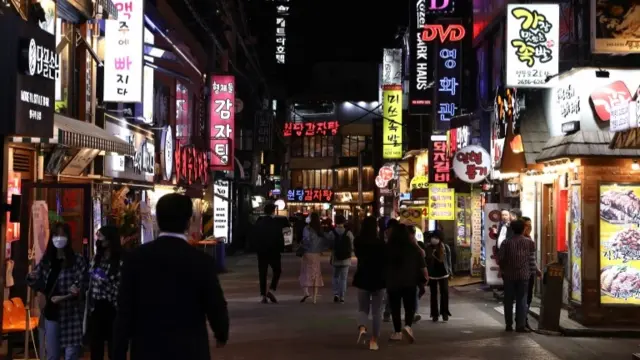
{"x": 620, "y": 244}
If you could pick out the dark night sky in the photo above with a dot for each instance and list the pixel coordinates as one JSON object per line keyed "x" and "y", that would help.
{"x": 338, "y": 30}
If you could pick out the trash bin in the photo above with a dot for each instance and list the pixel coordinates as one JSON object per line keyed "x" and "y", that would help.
{"x": 551, "y": 297}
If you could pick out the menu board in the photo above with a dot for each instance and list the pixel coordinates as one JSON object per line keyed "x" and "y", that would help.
{"x": 575, "y": 245}
{"x": 620, "y": 244}
{"x": 476, "y": 233}
{"x": 463, "y": 220}
{"x": 441, "y": 202}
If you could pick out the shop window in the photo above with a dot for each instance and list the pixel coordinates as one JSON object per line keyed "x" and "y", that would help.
{"x": 317, "y": 179}
{"x": 296, "y": 147}
{"x": 352, "y": 145}
{"x": 183, "y": 113}
{"x": 312, "y": 146}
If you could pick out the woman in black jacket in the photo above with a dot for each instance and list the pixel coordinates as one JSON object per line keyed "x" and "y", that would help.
{"x": 438, "y": 257}
{"x": 369, "y": 279}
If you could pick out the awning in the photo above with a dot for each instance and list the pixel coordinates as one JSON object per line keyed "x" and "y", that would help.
{"x": 583, "y": 144}
{"x": 80, "y": 134}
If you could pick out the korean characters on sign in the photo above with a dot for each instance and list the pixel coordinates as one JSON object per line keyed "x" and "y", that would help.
{"x": 472, "y": 164}
{"x": 123, "y": 63}
{"x": 392, "y": 122}
{"x": 310, "y": 195}
{"x": 311, "y": 128}
{"x": 440, "y": 171}
{"x": 533, "y": 42}
{"x": 282, "y": 13}
{"x": 222, "y": 110}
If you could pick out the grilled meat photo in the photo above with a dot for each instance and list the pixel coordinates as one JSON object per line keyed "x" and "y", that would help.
{"x": 624, "y": 244}
{"x": 620, "y": 207}
{"x": 620, "y": 281}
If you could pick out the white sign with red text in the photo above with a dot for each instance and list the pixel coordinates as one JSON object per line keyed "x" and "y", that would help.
{"x": 472, "y": 164}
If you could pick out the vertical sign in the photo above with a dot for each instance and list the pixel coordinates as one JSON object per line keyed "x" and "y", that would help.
{"x": 448, "y": 91}
{"x": 533, "y": 45}
{"x": 262, "y": 122}
{"x": 282, "y": 13}
{"x": 221, "y": 195}
{"x": 392, "y": 122}
{"x": 222, "y": 112}
{"x": 420, "y": 70}
{"x": 440, "y": 171}
{"x": 123, "y": 60}
{"x": 392, "y": 67}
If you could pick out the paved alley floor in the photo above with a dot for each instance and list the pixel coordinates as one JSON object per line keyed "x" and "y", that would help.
{"x": 291, "y": 330}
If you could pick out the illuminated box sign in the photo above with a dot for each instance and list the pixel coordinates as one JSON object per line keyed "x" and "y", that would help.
{"x": 282, "y": 13}
{"x": 392, "y": 122}
{"x": 448, "y": 90}
{"x": 222, "y": 112}
{"x": 440, "y": 171}
{"x": 310, "y": 195}
{"x": 311, "y": 128}
{"x": 191, "y": 165}
{"x": 441, "y": 202}
{"x": 420, "y": 67}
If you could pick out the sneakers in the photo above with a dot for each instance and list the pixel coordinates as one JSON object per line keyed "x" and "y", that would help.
{"x": 417, "y": 318}
{"x": 264, "y": 300}
{"x": 396, "y": 336}
{"x": 362, "y": 331}
{"x": 373, "y": 344}
{"x": 341, "y": 300}
{"x": 336, "y": 299}
{"x": 508, "y": 328}
{"x": 272, "y": 297}
{"x": 409, "y": 332}
{"x": 445, "y": 318}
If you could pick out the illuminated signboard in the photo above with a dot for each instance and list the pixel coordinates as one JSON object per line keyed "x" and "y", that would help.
{"x": 472, "y": 164}
{"x": 310, "y": 195}
{"x": 222, "y": 110}
{"x": 439, "y": 6}
{"x": 420, "y": 67}
{"x": 458, "y": 138}
{"x": 448, "y": 90}
{"x": 440, "y": 171}
{"x": 282, "y": 13}
{"x": 506, "y": 113}
{"x": 392, "y": 67}
{"x": 392, "y": 122}
{"x": 191, "y": 165}
{"x": 311, "y": 128}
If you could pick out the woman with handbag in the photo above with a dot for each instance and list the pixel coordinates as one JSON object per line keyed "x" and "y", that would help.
{"x": 313, "y": 244}
{"x": 104, "y": 279}
{"x": 60, "y": 275}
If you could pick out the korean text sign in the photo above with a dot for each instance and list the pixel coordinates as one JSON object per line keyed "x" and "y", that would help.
{"x": 448, "y": 38}
{"x": 392, "y": 122}
{"x": 311, "y": 128}
{"x": 310, "y": 195}
{"x": 441, "y": 202}
{"x": 282, "y": 13}
{"x": 472, "y": 164}
{"x": 440, "y": 171}
{"x": 123, "y": 58}
{"x": 533, "y": 44}
{"x": 222, "y": 117}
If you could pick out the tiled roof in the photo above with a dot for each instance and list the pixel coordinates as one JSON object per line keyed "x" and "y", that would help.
{"x": 583, "y": 144}
{"x": 533, "y": 128}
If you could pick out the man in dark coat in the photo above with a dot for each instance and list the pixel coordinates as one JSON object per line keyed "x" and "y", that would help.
{"x": 168, "y": 292}
{"x": 268, "y": 241}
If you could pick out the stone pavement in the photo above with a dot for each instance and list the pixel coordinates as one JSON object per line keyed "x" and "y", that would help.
{"x": 291, "y": 330}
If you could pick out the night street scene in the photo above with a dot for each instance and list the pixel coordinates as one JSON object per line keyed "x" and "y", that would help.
{"x": 288, "y": 179}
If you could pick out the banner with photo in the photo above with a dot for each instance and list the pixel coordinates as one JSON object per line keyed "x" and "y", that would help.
{"x": 614, "y": 27}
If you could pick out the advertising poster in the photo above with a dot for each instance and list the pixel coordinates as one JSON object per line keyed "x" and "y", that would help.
{"x": 576, "y": 243}
{"x": 392, "y": 122}
{"x": 476, "y": 233}
{"x": 491, "y": 224}
{"x": 441, "y": 202}
{"x": 463, "y": 217}
{"x": 620, "y": 244}
{"x": 614, "y": 26}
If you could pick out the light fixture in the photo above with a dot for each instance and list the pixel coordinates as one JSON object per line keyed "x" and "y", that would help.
{"x": 513, "y": 187}
{"x": 601, "y": 73}
{"x": 362, "y": 103}
{"x": 635, "y": 166}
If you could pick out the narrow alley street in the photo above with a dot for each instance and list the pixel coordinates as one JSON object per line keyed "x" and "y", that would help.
{"x": 291, "y": 330}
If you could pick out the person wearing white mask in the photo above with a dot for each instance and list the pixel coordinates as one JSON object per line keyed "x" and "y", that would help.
{"x": 60, "y": 276}
{"x": 438, "y": 256}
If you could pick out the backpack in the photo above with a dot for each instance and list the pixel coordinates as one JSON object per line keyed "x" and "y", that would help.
{"x": 342, "y": 248}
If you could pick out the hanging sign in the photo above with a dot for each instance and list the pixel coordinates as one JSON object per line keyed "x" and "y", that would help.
{"x": 221, "y": 196}
{"x": 448, "y": 90}
{"x": 472, "y": 164}
{"x": 533, "y": 45}
{"x": 441, "y": 202}
{"x": 392, "y": 122}
{"x": 167, "y": 153}
{"x": 440, "y": 171}
{"x": 420, "y": 64}
{"x": 392, "y": 67}
{"x": 310, "y": 128}
{"x": 419, "y": 182}
{"x": 191, "y": 165}
{"x": 222, "y": 121}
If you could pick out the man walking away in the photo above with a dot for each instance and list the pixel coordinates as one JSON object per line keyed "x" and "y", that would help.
{"x": 269, "y": 242}
{"x": 342, "y": 250}
{"x": 168, "y": 292}
{"x": 514, "y": 263}
{"x": 533, "y": 263}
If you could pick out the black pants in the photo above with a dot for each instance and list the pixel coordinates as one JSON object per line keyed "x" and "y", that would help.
{"x": 264, "y": 262}
{"x": 399, "y": 297}
{"x": 101, "y": 322}
{"x": 444, "y": 297}
{"x": 532, "y": 282}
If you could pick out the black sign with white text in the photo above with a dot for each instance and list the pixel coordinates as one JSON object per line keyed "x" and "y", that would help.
{"x": 421, "y": 71}
{"x": 30, "y": 66}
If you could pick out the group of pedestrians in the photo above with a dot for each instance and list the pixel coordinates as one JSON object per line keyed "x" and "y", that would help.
{"x": 152, "y": 303}
{"x": 518, "y": 267}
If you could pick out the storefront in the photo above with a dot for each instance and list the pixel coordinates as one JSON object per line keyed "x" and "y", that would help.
{"x": 590, "y": 195}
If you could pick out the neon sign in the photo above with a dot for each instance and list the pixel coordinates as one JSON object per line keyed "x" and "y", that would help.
{"x": 452, "y": 33}
{"x": 441, "y": 6}
{"x": 448, "y": 74}
{"x": 282, "y": 13}
{"x": 192, "y": 165}
{"x": 311, "y": 128}
{"x": 310, "y": 195}
{"x": 441, "y": 169}
{"x": 222, "y": 118}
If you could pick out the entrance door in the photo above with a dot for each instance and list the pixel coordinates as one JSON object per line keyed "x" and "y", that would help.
{"x": 548, "y": 240}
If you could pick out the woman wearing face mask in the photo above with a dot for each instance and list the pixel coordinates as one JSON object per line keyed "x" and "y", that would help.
{"x": 103, "y": 290}
{"x": 439, "y": 265}
{"x": 60, "y": 276}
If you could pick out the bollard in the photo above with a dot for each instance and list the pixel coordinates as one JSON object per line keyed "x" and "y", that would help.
{"x": 551, "y": 305}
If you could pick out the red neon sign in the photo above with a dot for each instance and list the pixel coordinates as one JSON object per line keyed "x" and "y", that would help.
{"x": 441, "y": 169}
{"x": 222, "y": 121}
{"x": 452, "y": 33}
{"x": 311, "y": 128}
{"x": 191, "y": 165}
